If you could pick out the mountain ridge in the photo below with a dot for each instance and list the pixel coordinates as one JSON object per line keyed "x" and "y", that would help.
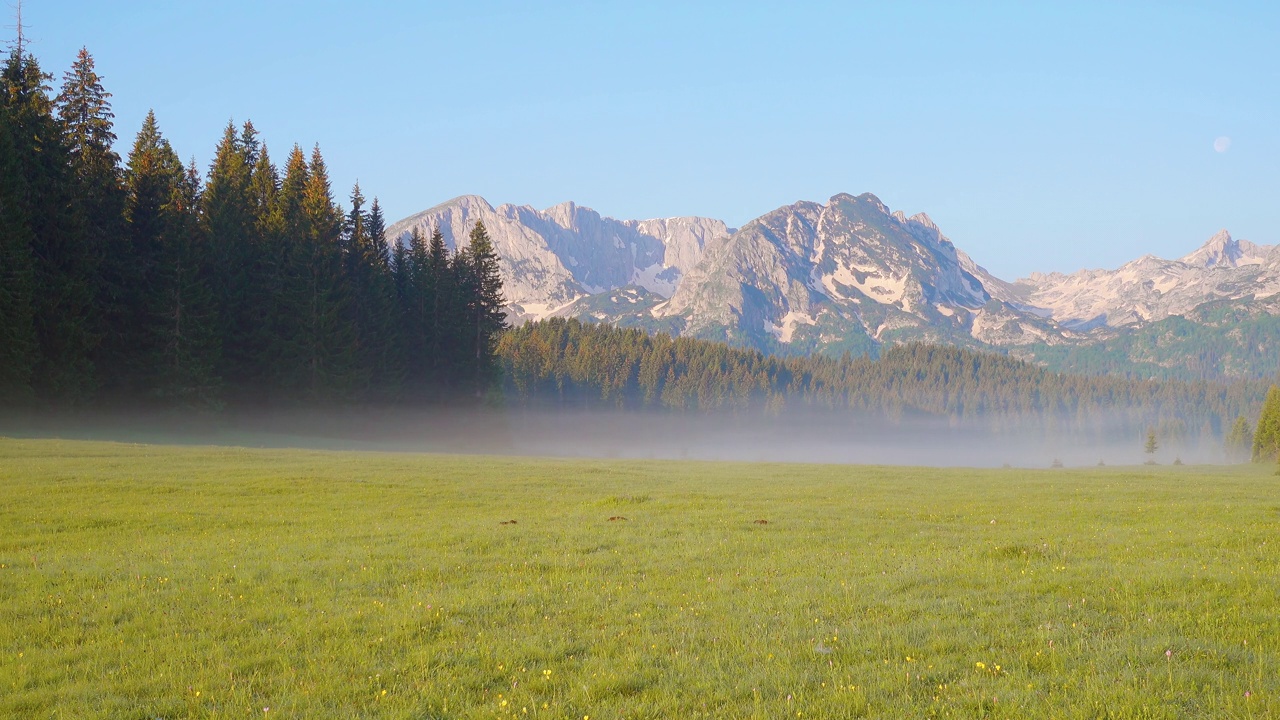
{"x": 553, "y": 257}
{"x": 846, "y": 276}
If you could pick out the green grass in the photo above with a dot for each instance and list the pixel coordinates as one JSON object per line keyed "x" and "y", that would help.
{"x": 161, "y": 582}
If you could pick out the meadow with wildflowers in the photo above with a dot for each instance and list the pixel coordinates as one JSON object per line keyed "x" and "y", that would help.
{"x": 143, "y": 581}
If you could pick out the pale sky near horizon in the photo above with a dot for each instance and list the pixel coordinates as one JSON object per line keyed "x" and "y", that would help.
{"x": 1038, "y": 136}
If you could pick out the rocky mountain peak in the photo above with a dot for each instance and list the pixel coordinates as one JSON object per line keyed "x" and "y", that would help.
{"x": 923, "y": 220}
{"x": 466, "y": 203}
{"x": 564, "y": 214}
{"x": 1221, "y": 250}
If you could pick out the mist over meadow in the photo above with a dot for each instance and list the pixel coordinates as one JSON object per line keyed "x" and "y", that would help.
{"x": 800, "y": 436}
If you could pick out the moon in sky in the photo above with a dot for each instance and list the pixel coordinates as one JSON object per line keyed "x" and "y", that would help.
{"x": 1222, "y": 144}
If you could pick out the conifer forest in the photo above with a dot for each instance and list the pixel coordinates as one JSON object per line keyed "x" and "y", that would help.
{"x": 143, "y": 281}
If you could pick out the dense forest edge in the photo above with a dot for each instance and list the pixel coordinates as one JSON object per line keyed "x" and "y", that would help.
{"x": 141, "y": 283}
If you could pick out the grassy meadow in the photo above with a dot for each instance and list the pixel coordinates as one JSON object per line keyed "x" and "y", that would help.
{"x": 171, "y": 582}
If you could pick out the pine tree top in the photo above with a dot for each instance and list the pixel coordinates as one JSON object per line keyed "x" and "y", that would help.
{"x": 84, "y": 109}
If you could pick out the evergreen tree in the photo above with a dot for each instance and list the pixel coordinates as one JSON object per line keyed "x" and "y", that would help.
{"x": 378, "y": 234}
{"x": 63, "y": 268}
{"x": 414, "y": 289}
{"x": 152, "y": 171}
{"x": 384, "y": 330}
{"x": 177, "y": 330}
{"x": 264, "y": 191}
{"x": 480, "y": 283}
{"x": 442, "y": 312}
{"x": 270, "y": 250}
{"x": 293, "y": 222}
{"x": 291, "y": 303}
{"x": 230, "y": 223}
{"x": 189, "y": 340}
{"x": 1239, "y": 441}
{"x": 1266, "y": 435}
{"x": 120, "y": 283}
{"x": 17, "y": 271}
{"x": 358, "y": 274}
{"x": 373, "y": 301}
{"x": 320, "y": 344}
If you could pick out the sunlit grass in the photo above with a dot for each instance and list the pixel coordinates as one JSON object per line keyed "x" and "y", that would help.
{"x": 144, "y": 582}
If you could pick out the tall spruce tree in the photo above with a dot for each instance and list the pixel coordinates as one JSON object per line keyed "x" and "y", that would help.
{"x": 189, "y": 340}
{"x": 388, "y": 362}
{"x": 378, "y": 234}
{"x": 178, "y": 332}
{"x": 230, "y": 224}
{"x": 442, "y": 311}
{"x": 480, "y": 282}
{"x": 151, "y": 172}
{"x": 322, "y": 347}
{"x": 293, "y": 222}
{"x": 372, "y": 300}
{"x": 17, "y": 274}
{"x": 358, "y": 274}
{"x": 63, "y": 267}
{"x": 119, "y": 281}
{"x": 270, "y": 259}
{"x": 411, "y": 280}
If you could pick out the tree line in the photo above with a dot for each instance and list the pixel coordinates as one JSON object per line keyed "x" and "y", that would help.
{"x": 566, "y": 363}
{"x": 148, "y": 282}
{"x": 1259, "y": 442}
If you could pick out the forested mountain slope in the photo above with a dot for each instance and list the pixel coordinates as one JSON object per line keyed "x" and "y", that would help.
{"x": 566, "y": 363}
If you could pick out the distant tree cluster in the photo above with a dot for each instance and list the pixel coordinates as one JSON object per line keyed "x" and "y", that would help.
{"x": 145, "y": 282}
{"x": 569, "y": 363}
{"x": 1266, "y": 436}
{"x": 1239, "y": 441}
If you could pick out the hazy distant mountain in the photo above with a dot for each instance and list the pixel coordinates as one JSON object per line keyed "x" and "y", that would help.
{"x": 851, "y": 275}
{"x": 1151, "y": 288}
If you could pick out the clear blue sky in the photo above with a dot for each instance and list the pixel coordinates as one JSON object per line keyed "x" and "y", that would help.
{"x": 1039, "y": 137}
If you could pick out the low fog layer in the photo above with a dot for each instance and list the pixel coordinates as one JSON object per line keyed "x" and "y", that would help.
{"x": 818, "y": 437}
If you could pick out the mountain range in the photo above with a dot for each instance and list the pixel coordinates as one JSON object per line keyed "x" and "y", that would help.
{"x": 851, "y": 276}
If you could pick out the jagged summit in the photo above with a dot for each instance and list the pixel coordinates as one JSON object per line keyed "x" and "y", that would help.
{"x": 1222, "y": 250}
